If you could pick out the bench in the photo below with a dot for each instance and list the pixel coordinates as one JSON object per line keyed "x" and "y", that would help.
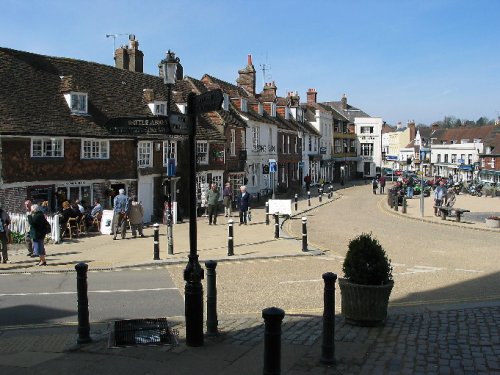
{"x": 450, "y": 211}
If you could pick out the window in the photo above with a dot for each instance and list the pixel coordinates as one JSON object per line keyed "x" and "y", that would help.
{"x": 47, "y": 148}
{"x": 270, "y": 137}
{"x": 469, "y": 159}
{"x": 244, "y": 105}
{"x": 260, "y": 109}
{"x": 160, "y": 108}
{"x": 296, "y": 145}
{"x": 273, "y": 109}
{"x": 367, "y": 130}
{"x": 144, "y": 154}
{"x": 338, "y": 146}
{"x": 287, "y": 144}
{"x": 95, "y": 149}
{"x": 255, "y": 137}
{"x": 169, "y": 151}
{"x": 243, "y": 140}
{"x": 225, "y": 103}
{"x": 283, "y": 144}
{"x": 78, "y": 102}
{"x": 202, "y": 152}
{"x": 446, "y": 158}
{"x": 439, "y": 158}
{"x": 310, "y": 143}
{"x": 453, "y": 158}
{"x": 366, "y": 149}
{"x": 232, "y": 144}
{"x": 492, "y": 162}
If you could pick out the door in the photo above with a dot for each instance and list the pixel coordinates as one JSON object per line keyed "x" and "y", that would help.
{"x": 145, "y": 196}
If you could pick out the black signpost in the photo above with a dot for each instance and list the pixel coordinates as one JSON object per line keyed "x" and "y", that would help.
{"x": 193, "y": 273}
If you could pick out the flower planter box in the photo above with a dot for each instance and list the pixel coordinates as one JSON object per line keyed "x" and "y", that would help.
{"x": 492, "y": 223}
{"x": 364, "y": 305}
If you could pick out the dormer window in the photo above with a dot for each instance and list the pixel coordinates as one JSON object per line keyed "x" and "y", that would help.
{"x": 225, "y": 103}
{"x": 273, "y": 109}
{"x": 78, "y": 102}
{"x": 244, "y": 105}
{"x": 160, "y": 108}
{"x": 287, "y": 113}
{"x": 261, "y": 109}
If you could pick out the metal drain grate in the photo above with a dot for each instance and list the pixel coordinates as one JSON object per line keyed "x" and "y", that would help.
{"x": 134, "y": 332}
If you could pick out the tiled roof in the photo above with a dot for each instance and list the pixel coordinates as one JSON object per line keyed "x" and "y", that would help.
{"x": 350, "y": 113}
{"x": 32, "y": 101}
{"x": 463, "y": 132}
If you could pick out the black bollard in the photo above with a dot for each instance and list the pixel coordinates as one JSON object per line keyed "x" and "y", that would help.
{"x": 404, "y": 205}
{"x": 277, "y": 225}
{"x": 230, "y": 238}
{"x": 396, "y": 202}
{"x": 309, "y": 198}
{"x": 156, "y": 241}
{"x": 211, "y": 298}
{"x": 296, "y": 202}
{"x": 304, "y": 234}
{"x": 328, "y": 346}
{"x": 390, "y": 199}
{"x": 320, "y": 195}
{"x": 267, "y": 213}
{"x": 330, "y": 192}
{"x": 83, "y": 304}
{"x": 273, "y": 317}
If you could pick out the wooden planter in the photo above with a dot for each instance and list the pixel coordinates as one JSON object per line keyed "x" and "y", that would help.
{"x": 492, "y": 223}
{"x": 364, "y": 305}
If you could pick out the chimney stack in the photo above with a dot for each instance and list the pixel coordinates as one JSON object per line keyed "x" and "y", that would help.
{"x": 269, "y": 92}
{"x": 294, "y": 98}
{"x": 246, "y": 78}
{"x": 130, "y": 58}
{"x": 312, "y": 96}
{"x": 413, "y": 130}
{"x": 343, "y": 102}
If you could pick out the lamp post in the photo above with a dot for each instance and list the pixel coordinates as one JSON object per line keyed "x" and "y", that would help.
{"x": 169, "y": 68}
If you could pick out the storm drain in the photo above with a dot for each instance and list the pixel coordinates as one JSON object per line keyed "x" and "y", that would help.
{"x": 133, "y": 332}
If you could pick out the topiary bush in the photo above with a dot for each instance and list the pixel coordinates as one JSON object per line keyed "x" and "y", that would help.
{"x": 366, "y": 262}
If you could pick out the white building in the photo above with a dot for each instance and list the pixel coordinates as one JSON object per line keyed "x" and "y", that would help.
{"x": 369, "y": 136}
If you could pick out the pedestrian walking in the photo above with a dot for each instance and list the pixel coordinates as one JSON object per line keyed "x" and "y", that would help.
{"x": 439, "y": 196}
{"x": 27, "y": 237}
{"x": 213, "y": 196}
{"x": 374, "y": 185}
{"x": 243, "y": 204}
{"x": 381, "y": 181}
{"x": 136, "y": 217}
{"x": 39, "y": 227}
{"x": 227, "y": 200}
{"x": 120, "y": 211}
{"x": 307, "y": 180}
{"x": 4, "y": 234}
{"x": 410, "y": 186}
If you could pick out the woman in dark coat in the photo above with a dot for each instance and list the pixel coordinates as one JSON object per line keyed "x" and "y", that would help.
{"x": 39, "y": 227}
{"x": 243, "y": 204}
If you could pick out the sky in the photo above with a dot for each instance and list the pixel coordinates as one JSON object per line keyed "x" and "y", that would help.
{"x": 400, "y": 60}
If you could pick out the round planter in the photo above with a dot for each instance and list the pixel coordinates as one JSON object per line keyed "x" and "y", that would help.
{"x": 364, "y": 305}
{"x": 492, "y": 223}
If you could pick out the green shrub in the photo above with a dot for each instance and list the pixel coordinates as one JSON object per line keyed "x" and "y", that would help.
{"x": 17, "y": 237}
{"x": 366, "y": 262}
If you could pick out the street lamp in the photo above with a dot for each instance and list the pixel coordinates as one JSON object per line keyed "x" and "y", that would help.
{"x": 169, "y": 69}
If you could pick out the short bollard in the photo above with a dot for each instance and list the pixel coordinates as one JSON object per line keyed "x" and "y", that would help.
{"x": 328, "y": 346}
{"x": 304, "y": 234}
{"x": 396, "y": 203}
{"x": 330, "y": 192}
{"x": 273, "y": 317}
{"x": 212, "y": 321}
{"x": 267, "y": 213}
{"x": 277, "y": 225}
{"x": 83, "y": 304}
{"x": 404, "y": 205}
{"x": 390, "y": 199}
{"x": 230, "y": 238}
{"x": 320, "y": 195}
{"x": 296, "y": 202}
{"x": 309, "y": 198}
{"x": 156, "y": 241}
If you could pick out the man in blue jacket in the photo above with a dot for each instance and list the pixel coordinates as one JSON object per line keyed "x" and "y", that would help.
{"x": 120, "y": 212}
{"x": 243, "y": 203}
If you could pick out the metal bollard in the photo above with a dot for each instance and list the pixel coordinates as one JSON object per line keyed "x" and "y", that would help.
{"x": 396, "y": 203}
{"x": 304, "y": 234}
{"x": 328, "y": 346}
{"x": 296, "y": 202}
{"x": 309, "y": 198}
{"x": 273, "y": 317}
{"x": 212, "y": 321}
{"x": 156, "y": 241}
{"x": 404, "y": 205}
{"x": 267, "y": 213}
{"x": 277, "y": 225}
{"x": 390, "y": 199}
{"x": 320, "y": 195}
{"x": 83, "y": 304}
{"x": 230, "y": 238}
{"x": 330, "y": 192}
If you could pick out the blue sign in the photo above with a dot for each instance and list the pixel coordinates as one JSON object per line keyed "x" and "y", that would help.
{"x": 170, "y": 167}
{"x": 273, "y": 166}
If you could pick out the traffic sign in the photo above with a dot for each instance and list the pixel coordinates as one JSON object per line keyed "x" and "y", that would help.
{"x": 208, "y": 101}
{"x": 179, "y": 123}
